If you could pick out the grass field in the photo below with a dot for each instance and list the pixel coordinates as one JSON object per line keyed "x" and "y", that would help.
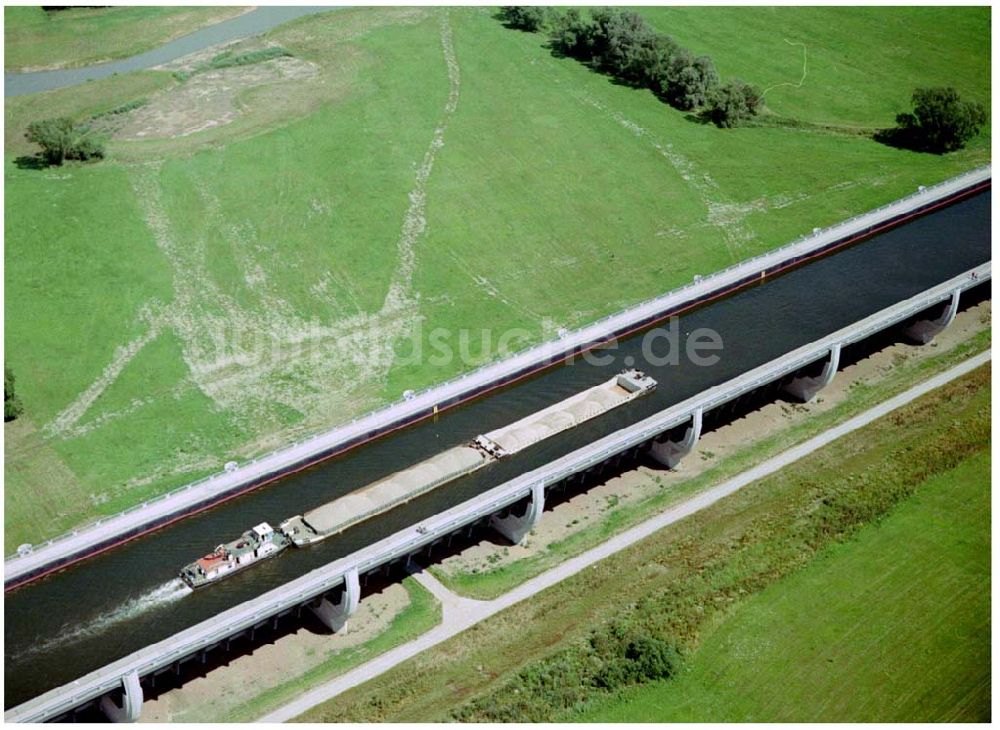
{"x": 207, "y": 295}
{"x": 893, "y": 626}
{"x": 35, "y": 39}
{"x": 859, "y": 69}
{"x": 811, "y": 521}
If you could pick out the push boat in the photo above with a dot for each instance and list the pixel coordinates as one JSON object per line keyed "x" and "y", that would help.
{"x": 256, "y": 544}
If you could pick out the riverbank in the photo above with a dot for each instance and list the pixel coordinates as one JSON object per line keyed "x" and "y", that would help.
{"x": 45, "y": 40}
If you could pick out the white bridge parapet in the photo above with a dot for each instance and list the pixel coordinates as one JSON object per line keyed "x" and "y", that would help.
{"x": 108, "y": 531}
{"x": 411, "y": 540}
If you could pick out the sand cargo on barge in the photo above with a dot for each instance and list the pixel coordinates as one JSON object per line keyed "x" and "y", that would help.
{"x": 358, "y": 506}
{"x": 378, "y": 497}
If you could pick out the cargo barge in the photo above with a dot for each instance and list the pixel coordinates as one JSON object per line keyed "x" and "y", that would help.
{"x": 402, "y": 486}
{"x": 349, "y": 510}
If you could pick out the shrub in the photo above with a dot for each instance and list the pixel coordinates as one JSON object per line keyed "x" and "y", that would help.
{"x": 12, "y": 406}
{"x": 651, "y": 658}
{"x": 940, "y": 122}
{"x": 613, "y": 656}
{"x": 228, "y": 58}
{"x": 618, "y": 37}
{"x": 62, "y": 139}
{"x": 571, "y": 35}
{"x": 124, "y": 108}
{"x": 530, "y": 18}
{"x": 650, "y": 62}
{"x": 690, "y": 80}
{"x": 733, "y": 104}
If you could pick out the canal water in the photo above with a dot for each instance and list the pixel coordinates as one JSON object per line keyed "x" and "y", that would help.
{"x": 104, "y": 608}
{"x": 253, "y": 23}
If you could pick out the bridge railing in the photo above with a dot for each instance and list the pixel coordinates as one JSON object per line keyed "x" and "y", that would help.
{"x": 955, "y": 183}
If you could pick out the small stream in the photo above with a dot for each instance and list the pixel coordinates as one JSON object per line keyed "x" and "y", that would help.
{"x": 249, "y": 24}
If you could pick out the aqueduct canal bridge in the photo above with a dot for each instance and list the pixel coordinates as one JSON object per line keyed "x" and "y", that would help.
{"x": 101, "y": 610}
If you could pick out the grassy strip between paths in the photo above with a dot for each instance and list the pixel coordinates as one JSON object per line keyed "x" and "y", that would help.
{"x": 421, "y": 614}
{"x": 557, "y": 653}
{"x": 495, "y": 582}
{"x": 862, "y": 634}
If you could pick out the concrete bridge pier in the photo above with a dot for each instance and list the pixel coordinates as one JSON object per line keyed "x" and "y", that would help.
{"x": 515, "y": 527}
{"x": 924, "y": 330}
{"x": 806, "y": 387}
{"x": 131, "y": 705}
{"x": 335, "y": 615}
{"x": 670, "y": 452}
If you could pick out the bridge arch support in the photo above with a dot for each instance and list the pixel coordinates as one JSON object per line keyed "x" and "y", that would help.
{"x": 516, "y": 527}
{"x": 924, "y": 330}
{"x": 131, "y": 706}
{"x": 806, "y": 387}
{"x": 669, "y": 452}
{"x": 334, "y": 614}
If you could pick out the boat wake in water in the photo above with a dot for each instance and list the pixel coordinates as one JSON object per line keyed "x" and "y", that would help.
{"x": 169, "y": 592}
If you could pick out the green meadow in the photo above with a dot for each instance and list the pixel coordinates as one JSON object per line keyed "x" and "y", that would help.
{"x": 893, "y": 626}
{"x": 246, "y": 268}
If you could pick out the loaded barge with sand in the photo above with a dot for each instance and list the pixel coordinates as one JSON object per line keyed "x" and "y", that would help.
{"x": 402, "y": 486}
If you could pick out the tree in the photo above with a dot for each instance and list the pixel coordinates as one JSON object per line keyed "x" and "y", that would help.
{"x": 571, "y": 35}
{"x": 690, "y": 80}
{"x": 733, "y": 104}
{"x": 650, "y": 62}
{"x": 618, "y": 37}
{"x": 940, "y": 122}
{"x": 12, "y": 406}
{"x": 54, "y": 136}
{"x": 524, "y": 17}
{"x": 61, "y": 139}
{"x": 652, "y": 657}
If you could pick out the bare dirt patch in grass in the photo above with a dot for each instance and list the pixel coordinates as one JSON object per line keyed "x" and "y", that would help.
{"x": 210, "y": 99}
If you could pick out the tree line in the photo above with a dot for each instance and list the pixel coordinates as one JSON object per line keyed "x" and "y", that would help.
{"x": 621, "y": 44}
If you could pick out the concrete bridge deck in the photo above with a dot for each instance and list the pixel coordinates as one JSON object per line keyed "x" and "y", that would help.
{"x": 343, "y": 573}
{"x": 112, "y": 531}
